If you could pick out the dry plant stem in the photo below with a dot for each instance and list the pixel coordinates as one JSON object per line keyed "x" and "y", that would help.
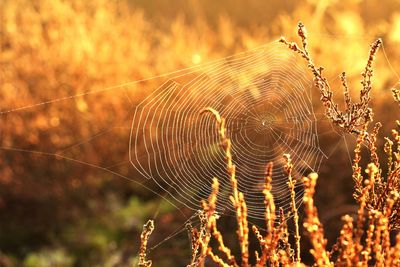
{"x": 291, "y": 183}
{"x": 217, "y": 259}
{"x": 237, "y": 197}
{"x": 209, "y": 208}
{"x": 271, "y": 255}
{"x": 208, "y": 221}
{"x": 396, "y": 93}
{"x": 364, "y": 203}
{"x": 347, "y": 98}
{"x": 356, "y": 114}
{"x": 197, "y": 237}
{"x": 346, "y": 242}
{"x": 357, "y": 176}
{"x": 313, "y": 225}
{"x": 267, "y": 242}
{"x": 361, "y": 217}
{"x": 388, "y": 148}
{"x": 194, "y": 236}
{"x": 378, "y": 240}
{"x": 144, "y": 237}
{"x": 373, "y": 152}
{"x": 284, "y": 233}
{"x": 377, "y": 192}
{"x": 269, "y": 199}
{"x": 386, "y": 221}
{"x": 366, "y": 252}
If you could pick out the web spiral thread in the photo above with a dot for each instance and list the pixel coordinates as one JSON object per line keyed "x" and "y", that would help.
{"x": 264, "y": 96}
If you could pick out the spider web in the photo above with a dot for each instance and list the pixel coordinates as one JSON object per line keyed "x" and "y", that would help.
{"x": 264, "y": 96}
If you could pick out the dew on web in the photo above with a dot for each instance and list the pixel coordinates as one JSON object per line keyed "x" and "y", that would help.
{"x": 264, "y": 96}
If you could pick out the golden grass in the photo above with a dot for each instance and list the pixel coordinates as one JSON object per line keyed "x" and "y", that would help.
{"x": 363, "y": 242}
{"x": 356, "y": 246}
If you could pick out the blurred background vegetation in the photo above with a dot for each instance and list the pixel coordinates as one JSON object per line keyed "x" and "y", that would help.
{"x": 85, "y": 207}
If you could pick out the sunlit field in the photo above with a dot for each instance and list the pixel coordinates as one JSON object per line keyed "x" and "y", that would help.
{"x": 192, "y": 133}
